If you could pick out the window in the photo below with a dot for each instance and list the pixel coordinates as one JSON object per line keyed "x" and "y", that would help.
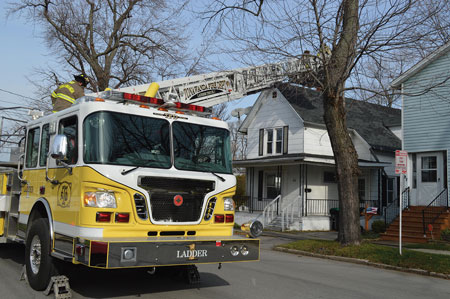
{"x": 390, "y": 190}
{"x": 429, "y": 169}
{"x": 269, "y": 141}
{"x": 279, "y": 142}
{"x": 124, "y": 139}
{"x": 414, "y": 172}
{"x": 273, "y": 185}
{"x": 329, "y": 177}
{"x": 276, "y": 141}
{"x": 201, "y": 148}
{"x": 32, "y": 147}
{"x": 362, "y": 189}
{"x": 68, "y": 127}
{"x": 45, "y": 143}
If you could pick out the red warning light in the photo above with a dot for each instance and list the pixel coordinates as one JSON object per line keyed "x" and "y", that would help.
{"x": 178, "y": 200}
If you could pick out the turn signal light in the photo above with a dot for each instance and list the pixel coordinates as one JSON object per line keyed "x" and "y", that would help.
{"x": 122, "y": 217}
{"x": 219, "y": 218}
{"x": 229, "y": 218}
{"x": 103, "y": 217}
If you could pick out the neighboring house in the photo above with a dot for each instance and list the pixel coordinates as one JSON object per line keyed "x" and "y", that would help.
{"x": 426, "y": 126}
{"x": 289, "y": 154}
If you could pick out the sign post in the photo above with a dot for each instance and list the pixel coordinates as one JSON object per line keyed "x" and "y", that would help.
{"x": 401, "y": 160}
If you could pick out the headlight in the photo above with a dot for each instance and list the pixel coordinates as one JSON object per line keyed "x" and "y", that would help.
{"x": 228, "y": 204}
{"x": 100, "y": 199}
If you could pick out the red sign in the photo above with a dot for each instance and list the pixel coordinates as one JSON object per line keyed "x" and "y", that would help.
{"x": 178, "y": 200}
{"x": 401, "y": 160}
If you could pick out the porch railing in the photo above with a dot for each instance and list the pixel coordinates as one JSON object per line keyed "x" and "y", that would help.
{"x": 392, "y": 210}
{"x": 437, "y": 206}
{"x": 271, "y": 210}
{"x": 322, "y": 207}
{"x": 287, "y": 215}
{"x": 253, "y": 204}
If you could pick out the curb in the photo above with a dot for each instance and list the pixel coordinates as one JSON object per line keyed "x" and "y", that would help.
{"x": 364, "y": 262}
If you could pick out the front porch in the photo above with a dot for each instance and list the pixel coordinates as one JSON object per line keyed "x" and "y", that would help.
{"x": 299, "y": 191}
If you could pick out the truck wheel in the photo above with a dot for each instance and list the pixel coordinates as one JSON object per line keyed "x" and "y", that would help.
{"x": 38, "y": 262}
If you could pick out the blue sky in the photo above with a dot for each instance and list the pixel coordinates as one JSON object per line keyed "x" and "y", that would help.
{"x": 21, "y": 50}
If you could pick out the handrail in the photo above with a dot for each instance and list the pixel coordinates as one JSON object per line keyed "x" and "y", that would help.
{"x": 270, "y": 209}
{"x": 392, "y": 210}
{"x": 441, "y": 200}
{"x": 285, "y": 214}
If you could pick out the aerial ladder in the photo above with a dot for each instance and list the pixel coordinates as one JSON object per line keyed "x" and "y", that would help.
{"x": 215, "y": 88}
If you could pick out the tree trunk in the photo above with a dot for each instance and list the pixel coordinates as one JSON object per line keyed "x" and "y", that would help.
{"x": 346, "y": 159}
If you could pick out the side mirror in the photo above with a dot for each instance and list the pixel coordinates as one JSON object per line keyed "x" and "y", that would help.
{"x": 59, "y": 148}
{"x": 254, "y": 228}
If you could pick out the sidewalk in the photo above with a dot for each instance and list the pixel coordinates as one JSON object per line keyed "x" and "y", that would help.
{"x": 395, "y": 244}
{"x": 332, "y": 236}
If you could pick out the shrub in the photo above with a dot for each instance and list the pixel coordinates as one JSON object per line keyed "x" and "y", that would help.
{"x": 445, "y": 234}
{"x": 378, "y": 226}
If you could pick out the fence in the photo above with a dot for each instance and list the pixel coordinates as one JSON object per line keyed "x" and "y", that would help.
{"x": 313, "y": 207}
{"x": 322, "y": 207}
{"x": 253, "y": 204}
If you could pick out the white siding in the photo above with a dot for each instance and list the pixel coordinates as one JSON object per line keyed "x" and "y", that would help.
{"x": 290, "y": 183}
{"x": 315, "y": 182}
{"x": 397, "y": 131}
{"x": 389, "y": 158}
{"x": 317, "y": 142}
{"x": 275, "y": 112}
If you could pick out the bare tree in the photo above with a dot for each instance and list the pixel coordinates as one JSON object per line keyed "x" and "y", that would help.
{"x": 115, "y": 42}
{"x": 343, "y": 33}
{"x": 376, "y": 71}
{"x": 238, "y": 141}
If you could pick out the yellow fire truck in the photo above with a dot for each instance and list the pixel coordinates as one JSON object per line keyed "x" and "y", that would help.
{"x": 122, "y": 179}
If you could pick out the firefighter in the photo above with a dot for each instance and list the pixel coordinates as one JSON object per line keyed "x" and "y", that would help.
{"x": 66, "y": 94}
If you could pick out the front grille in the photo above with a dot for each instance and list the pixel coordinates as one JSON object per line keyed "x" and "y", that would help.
{"x": 176, "y": 200}
{"x": 141, "y": 208}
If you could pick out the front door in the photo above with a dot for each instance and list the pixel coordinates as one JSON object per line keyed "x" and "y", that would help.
{"x": 430, "y": 172}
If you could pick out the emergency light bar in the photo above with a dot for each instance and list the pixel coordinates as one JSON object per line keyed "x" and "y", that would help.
{"x": 122, "y": 97}
{"x": 142, "y": 99}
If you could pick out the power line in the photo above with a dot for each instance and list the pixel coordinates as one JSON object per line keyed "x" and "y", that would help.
{"x": 16, "y": 94}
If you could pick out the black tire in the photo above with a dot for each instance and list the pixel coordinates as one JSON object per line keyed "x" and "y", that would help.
{"x": 39, "y": 274}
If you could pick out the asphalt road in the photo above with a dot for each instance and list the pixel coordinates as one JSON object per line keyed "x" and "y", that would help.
{"x": 277, "y": 275}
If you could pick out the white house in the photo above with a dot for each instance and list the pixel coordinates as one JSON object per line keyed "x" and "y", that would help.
{"x": 289, "y": 154}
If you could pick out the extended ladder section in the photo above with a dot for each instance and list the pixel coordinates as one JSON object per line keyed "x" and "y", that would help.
{"x": 215, "y": 88}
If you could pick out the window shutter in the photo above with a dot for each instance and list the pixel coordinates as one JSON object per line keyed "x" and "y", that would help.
{"x": 285, "y": 139}
{"x": 261, "y": 142}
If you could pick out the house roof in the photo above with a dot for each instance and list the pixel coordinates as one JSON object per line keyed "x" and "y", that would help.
{"x": 369, "y": 120}
{"x": 294, "y": 159}
{"x": 420, "y": 65}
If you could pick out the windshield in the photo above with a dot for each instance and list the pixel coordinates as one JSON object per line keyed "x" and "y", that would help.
{"x": 123, "y": 139}
{"x": 201, "y": 148}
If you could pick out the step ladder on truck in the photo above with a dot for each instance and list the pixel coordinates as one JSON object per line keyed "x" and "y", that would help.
{"x": 136, "y": 177}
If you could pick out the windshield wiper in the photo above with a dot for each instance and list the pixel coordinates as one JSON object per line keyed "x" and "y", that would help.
{"x": 220, "y": 177}
{"x": 124, "y": 172}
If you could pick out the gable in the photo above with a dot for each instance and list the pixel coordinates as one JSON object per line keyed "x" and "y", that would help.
{"x": 272, "y": 112}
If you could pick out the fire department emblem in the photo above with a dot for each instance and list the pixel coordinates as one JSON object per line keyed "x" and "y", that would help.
{"x": 64, "y": 195}
{"x": 178, "y": 200}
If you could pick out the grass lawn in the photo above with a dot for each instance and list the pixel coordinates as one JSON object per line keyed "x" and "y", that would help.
{"x": 433, "y": 245}
{"x": 377, "y": 254}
